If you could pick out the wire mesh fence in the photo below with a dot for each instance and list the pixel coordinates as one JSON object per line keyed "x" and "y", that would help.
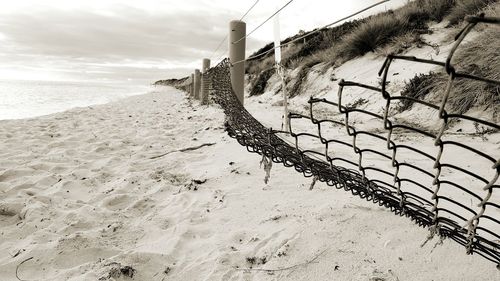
{"x": 434, "y": 199}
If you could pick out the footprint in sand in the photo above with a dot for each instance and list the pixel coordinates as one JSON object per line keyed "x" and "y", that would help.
{"x": 142, "y": 205}
{"x": 22, "y": 189}
{"x": 34, "y": 210}
{"x": 13, "y": 174}
{"x": 10, "y": 209}
{"x": 117, "y": 202}
{"x": 40, "y": 166}
{"x": 48, "y": 181}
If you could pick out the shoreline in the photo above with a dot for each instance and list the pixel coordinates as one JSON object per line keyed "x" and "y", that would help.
{"x": 24, "y": 101}
{"x": 77, "y": 108}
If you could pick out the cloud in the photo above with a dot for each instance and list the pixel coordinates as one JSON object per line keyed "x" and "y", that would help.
{"x": 127, "y": 34}
{"x": 121, "y": 36}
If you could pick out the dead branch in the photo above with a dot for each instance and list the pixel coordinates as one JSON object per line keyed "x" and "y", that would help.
{"x": 17, "y": 268}
{"x": 184, "y": 149}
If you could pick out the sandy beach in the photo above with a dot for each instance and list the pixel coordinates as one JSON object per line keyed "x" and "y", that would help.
{"x": 111, "y": 171}
{"x": 152, "y": 188}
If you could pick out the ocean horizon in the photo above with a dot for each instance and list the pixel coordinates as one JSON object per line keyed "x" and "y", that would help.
{"x": 21, "y": 99}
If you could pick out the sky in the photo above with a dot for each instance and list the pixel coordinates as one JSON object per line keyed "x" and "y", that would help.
{"x": 142, "y": 41}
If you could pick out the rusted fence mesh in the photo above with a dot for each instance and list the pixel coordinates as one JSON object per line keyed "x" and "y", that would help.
{"x": 448, "y": 205}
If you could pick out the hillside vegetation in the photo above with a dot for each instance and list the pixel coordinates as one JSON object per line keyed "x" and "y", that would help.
{"x": 393, "y": 31}
{"x": 182, "y": 83}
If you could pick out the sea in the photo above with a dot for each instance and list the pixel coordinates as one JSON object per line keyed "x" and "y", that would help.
{"x": 25, "y": 99}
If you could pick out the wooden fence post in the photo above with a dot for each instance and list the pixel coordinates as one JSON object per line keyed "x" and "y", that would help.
{"x": 197, "y": 78}
{"x": 191, "y": 88}
{"x": 237, "y": 32}
{"x": 204, "y": 84}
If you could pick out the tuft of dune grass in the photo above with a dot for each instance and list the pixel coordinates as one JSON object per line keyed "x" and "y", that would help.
{"x": 371, "y": 35}
{"x": 464, "y": 8}
{"x": 382, "y": 29}
{"x": 478, "y": 57}
{"x": 301, "y": 78}
{"x": 418, "y": 88}
{"x": 434, "y": 10}
{"x": 260, "y": 83}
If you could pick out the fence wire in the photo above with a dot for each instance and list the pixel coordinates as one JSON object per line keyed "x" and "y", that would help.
{"x": 424, "y": 203}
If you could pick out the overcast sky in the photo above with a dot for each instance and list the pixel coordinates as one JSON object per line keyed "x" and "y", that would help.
{"x": 141, "y": 40}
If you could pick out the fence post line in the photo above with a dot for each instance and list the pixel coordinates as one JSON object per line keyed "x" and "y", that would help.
{"x": 191, "y": 86}
{"x": 204, "y": 87}
{"x": 237, "y": 30}
{"x": 197, "y": 78}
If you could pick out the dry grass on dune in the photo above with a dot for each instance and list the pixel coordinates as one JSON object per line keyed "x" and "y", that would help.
{"x": 478, "y": 57}
{"x": 393, "y": 31}
{"x": 300, "y": 78}
{"x": 435, "y": 10}
{"x": 260, "y": 72}
{"x": 418, "y": 88}
{"x": 463, "y": 8}
{"x": 401, "y": 43}
{"x": 372, "y": 34}
{"x": 383, "y": 29}
{"x": 260, "y": 83}
{"x": 351, "y": 39}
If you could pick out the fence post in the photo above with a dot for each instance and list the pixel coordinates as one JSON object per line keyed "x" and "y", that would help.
{"x": 197, "y": 79}
{"x": 191, "y": 86}
{"x": 204, "y": 84}
{"x": 237, "y": 31}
